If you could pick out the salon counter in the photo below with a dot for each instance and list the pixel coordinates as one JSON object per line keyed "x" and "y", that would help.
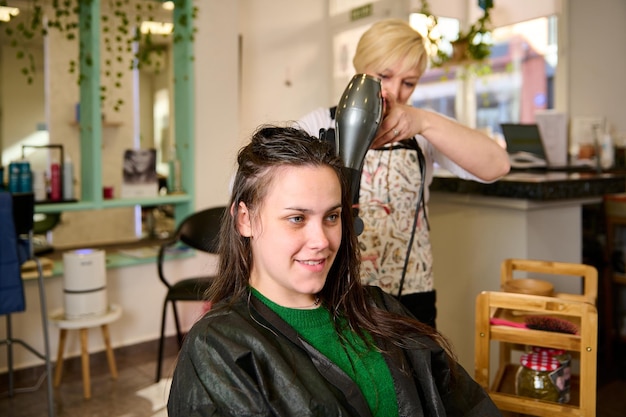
{"x": 474, "y": 226}
{"x": 535, "y": 185}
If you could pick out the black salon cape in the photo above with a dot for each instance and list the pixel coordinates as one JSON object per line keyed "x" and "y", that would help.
{"x": 246, "y": 361}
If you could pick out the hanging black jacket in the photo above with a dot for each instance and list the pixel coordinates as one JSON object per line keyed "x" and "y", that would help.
{"x": 247, "y": 361}
{"x": 11, "y": 286}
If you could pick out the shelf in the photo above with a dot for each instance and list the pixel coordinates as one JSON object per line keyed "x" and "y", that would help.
{"x": 117, "y": 256}
{"x": 61, "y": 207}
{"x": 113, "y": 203}
{"x": 146, "y": 201}
{"x": 104, "y": 124}
{"x": 544, "y": 338}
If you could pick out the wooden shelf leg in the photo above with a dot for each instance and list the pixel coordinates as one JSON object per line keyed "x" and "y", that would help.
{"x": 58, "y": 371}
{"x": 85, "y": 363}
{"x": 109, "y": 350}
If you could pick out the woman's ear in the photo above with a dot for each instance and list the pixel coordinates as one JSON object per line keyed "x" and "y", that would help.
{"x": 244, "y": 225}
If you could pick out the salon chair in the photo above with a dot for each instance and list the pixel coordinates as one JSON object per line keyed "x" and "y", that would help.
{"x": 198, "y": 231}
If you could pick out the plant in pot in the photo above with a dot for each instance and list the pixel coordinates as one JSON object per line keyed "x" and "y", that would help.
{"x": 472, "y": 46}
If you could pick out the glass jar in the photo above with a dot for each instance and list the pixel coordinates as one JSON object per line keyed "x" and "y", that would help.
{"x": 540, "y": 376}
{"x": 563, "y": 373}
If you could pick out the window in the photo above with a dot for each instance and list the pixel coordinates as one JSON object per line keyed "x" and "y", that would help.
{"x": 519, "y": 81}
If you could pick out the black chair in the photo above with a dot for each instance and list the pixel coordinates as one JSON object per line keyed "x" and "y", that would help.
{"x": 16, "y": 211}
{"x": 199, "y": 231}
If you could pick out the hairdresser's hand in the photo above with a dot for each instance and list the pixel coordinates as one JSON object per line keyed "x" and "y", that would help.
{"x": 399, "y": 122}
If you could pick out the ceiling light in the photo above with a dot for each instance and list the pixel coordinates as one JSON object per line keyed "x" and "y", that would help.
{"x": 168, "y": 5}
{"x": 157, "y": 28}
{"x": 6, "y": 13}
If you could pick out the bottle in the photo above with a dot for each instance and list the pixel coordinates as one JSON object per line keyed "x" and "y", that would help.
{"x": 20, "y": 177}
{"x": 607, "y": 153}
{"x": 55, "y": 181}
{"x": 14, "y": 177}
{"x": 26, "y": 177}
{"x": 39, "y": 185}
{"x": 68, "y": 179}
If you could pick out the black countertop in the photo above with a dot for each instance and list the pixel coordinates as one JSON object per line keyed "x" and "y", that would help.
{"x": 536, "y": 185}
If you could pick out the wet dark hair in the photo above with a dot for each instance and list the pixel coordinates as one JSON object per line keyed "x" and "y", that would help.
{"x": 271, "y": 148}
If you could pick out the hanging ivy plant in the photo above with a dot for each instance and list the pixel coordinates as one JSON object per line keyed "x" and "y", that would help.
{"x": 125, "y": 47}
{"x": 22, "y": 33}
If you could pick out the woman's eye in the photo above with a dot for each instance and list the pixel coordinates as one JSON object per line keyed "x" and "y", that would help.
{"x": 296, "y": 219}
{"x": 333, "y": 217}
{"x": 409, "y": 85}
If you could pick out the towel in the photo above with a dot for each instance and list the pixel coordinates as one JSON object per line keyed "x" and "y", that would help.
{"x": 11, "y": 287}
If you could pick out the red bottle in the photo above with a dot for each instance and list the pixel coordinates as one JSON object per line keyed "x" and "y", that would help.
{"x": 55, "y": 181}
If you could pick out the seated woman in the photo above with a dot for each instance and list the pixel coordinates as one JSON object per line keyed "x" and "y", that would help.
{"x": 292, "y": 331}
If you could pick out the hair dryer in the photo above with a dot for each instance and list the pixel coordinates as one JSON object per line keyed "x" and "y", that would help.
{"x": 359, "y": 113}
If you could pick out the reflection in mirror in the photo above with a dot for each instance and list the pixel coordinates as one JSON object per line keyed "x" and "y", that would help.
{"x": 155, "y": 92}
{"x": 22, "y": 97}
{"x": 156, "y": 119}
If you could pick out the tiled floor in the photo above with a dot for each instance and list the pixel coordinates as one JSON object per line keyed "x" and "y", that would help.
{"x": 134, "y": 393}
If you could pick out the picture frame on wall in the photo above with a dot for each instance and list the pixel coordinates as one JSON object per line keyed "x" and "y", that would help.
{"x": 139, "y": 173}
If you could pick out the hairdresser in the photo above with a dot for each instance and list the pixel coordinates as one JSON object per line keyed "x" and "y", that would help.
{"x": 398, "y": 168}
{"x": 291, "y": 332}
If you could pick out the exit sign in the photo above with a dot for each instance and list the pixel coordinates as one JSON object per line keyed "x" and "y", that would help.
{"x": 361, "y": 12}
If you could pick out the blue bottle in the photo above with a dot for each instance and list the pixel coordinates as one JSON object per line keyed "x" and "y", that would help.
{"x": 26, "y": 177}
{"x": 14, "y": 177}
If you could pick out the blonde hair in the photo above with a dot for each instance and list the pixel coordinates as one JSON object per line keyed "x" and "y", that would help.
{"x": 388, "y": 42}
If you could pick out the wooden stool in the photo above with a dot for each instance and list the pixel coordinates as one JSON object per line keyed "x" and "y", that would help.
{"x": 83, "y": 325}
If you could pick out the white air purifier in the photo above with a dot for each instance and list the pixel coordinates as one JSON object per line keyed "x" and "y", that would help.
{"x": 84, "y": 284}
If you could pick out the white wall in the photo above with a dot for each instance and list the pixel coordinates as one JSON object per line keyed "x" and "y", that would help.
{"x": 285, "y": 60}
{"x": 217, "y": 99}
{"x": 597, "y": 60}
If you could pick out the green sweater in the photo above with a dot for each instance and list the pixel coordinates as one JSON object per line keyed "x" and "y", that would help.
{"x": 365, "y": 366}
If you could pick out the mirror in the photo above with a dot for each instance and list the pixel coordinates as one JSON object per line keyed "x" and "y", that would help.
{"x": 155, "y": 101}
{"x": 22, "y": 97}
{"x": 145, "y": 121}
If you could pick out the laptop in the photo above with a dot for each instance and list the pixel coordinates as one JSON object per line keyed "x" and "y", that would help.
{"x": 524, "y": 145}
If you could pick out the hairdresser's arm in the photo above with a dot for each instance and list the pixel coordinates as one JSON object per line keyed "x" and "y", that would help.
{"x": 471, "y": 149}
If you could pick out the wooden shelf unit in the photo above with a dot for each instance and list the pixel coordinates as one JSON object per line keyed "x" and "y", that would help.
{"x": 582, "y": 347}
{"x": 579, "y": 309}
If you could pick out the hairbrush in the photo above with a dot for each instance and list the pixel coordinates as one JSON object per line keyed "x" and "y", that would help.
{"x": 545, "y": 323}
